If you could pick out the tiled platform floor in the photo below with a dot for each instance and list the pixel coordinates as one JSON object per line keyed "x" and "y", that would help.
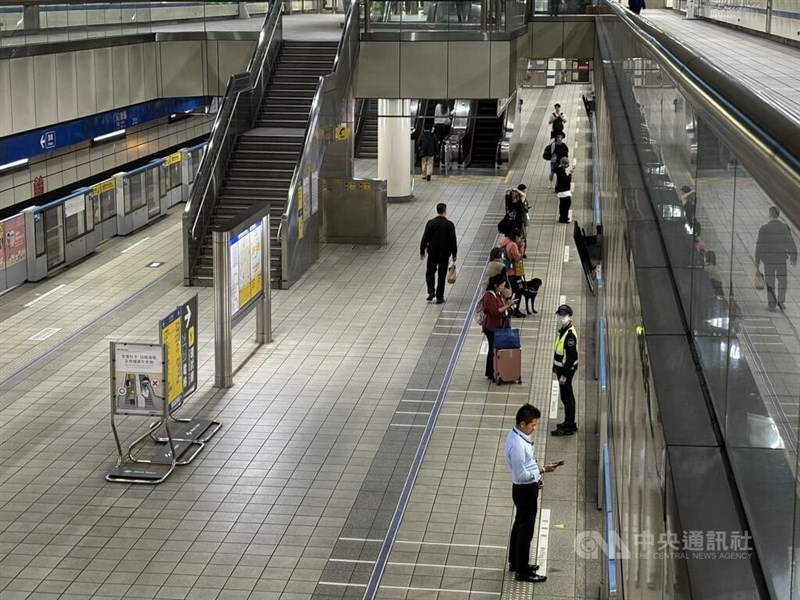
{"x": 302, "y": 459}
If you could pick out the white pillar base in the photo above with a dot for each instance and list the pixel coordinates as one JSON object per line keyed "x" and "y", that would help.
{"x": 394, "y": 148}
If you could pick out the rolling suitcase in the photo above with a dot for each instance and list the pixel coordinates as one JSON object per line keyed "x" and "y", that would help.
{"x": 507, "y": 365}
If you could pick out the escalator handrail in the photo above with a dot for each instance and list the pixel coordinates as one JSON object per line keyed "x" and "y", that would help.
{"x": 350, "y": 31}
{"x": 237, "y": 84}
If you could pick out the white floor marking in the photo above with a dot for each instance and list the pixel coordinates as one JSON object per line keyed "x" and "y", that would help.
{"x": 409, "y": 564}
{"x": 434, "y": 333}
{"x": 45, "y": 295}
{"x": 134, "y": 245}
{"x": 420, "y": 543}
{"x": 566, "y": 253}
{"x": 415, "y": 589}
{"x": 484, "y": 348}
{"x": 451, "y": 427}
{"x": 44, "y": 334}
{"x": 554, "y": 400}
{"x": 544, "y": 541}
{"x": 458, "y": 415}
{"x": 562, "y": 299}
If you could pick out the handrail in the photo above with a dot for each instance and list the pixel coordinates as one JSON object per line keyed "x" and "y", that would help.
{"x": 198, "y": 211}
{"x": 311, "y": 126}
{"x": 766, "y": 139}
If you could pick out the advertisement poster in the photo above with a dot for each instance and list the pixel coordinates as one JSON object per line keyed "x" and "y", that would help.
{"x": 170, "y": 334}
{"x": 301, "y": 226}
{"x": 137, "y": 378}
{"x": 246, "y": 265}
{"x": 13, "y": 239}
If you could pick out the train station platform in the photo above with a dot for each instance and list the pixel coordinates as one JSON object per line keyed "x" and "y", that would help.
{"x": 307, "y": 486}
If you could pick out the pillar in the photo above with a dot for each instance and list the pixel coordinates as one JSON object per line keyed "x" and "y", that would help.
{"x": 394, "y": 148}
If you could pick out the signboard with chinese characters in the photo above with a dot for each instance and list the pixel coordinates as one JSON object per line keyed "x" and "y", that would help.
{"x": 247, "y": 280}
{"x": 12, "y": 232}
{"x": 178, "y": 333}
{"x": 301, "y": 225}
{"x": 137, "y": 379}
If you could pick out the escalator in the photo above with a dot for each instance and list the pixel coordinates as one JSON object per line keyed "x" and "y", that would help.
{"x": 486, "y": 130}
{"x": 368, "y": 130}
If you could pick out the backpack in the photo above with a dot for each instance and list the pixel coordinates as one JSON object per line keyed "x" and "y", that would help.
{"x": 480, "y": 313}
{"x": 558, "y": 125}
{"x": 548, "y": 152}
{"x": 507, "y": 262}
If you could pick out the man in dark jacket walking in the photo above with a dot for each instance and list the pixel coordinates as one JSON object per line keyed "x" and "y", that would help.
{"x": 439, "y": 240}
{"x": 426, "y": 149}
{"x": 773, "y": 246}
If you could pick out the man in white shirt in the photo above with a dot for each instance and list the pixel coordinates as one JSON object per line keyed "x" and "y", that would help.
{"x": 526, "y": 476}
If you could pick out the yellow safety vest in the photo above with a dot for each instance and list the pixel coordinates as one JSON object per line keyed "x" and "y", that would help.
{"x": 558, "y": 355}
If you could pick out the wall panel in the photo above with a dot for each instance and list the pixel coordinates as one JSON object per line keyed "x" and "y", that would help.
{"x": 121, "y": 76}
{"x": 85, "y": 77}
{"x": 500, "y": 58}
{"x": 182, "y": 69}
{"x": 423, "y": 70}
{"x": 23, "y": 109}
{"x": 474, "y": 81}
{"x": 137, "y": 73}
{"x": 103, "y": 79}
{"x": 378, "y": 70}
{"x": 5, "y": 98}
{"x": 66, "y": 83}
{"x": 46, "y": 94}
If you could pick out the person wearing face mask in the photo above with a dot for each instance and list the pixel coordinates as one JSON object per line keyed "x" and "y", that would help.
{"x": 565, "y": 363}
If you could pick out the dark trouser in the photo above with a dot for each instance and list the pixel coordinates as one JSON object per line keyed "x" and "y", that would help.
{"x": 526, "y": 500}
{"x": 490, "y": 355}
{"x": 441, "y": 131}
{"x": 637, "y": 10}
{"x": 775, "y": 278}
{"x": 568, "y": 400}
{"x": 436, "y": 264}
{"x": 563, "y": 208}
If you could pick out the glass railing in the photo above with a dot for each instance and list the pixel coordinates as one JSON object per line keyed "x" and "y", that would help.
{"x": 564, "y": 7}
{"x": 331, "y": 111}
{"x": 721, "y": 166}
{"x": 47, "y": 22}
{"x": 238, "y": 111}
{"x": 468, "y": 16}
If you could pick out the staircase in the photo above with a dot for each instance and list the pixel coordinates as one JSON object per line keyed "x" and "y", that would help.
{"x": 368, "y": 142}
{"x": 262, "y": 164}
{"x": 488, "y": 130}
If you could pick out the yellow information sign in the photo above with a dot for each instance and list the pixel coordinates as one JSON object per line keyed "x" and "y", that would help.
{"x": 301, "y": 226}
{"x": 173, "y": 158}
{"x": 103, "y": 186}
{"x": 342, "y": 132}
{"x": 171, "y": 338}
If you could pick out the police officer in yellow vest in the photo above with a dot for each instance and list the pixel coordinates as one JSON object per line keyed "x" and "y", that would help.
{"x": 565, "y": 363}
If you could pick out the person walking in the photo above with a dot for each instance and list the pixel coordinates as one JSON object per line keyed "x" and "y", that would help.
{"x": 636, "y": 6}
{"x": 564, "y": 189}
{"x": 773, "y": 245}
{"x": 557, "y": 121}
{"x": 559, "y": 150}
{"x": 565, "y": 363}
{"x": 526, "y": 480}
{"x": 495, "y": 305}
{"x": 439, "y": 241}
{"x": 441, "y": 121}
{"x": 426, "y": 149}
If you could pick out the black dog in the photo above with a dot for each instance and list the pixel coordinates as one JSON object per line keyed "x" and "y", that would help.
{"x": 529, "y": 289}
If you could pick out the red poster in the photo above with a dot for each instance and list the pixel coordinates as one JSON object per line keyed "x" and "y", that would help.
{"x": 38, "y": 186}
{"x": 13, "y": 232}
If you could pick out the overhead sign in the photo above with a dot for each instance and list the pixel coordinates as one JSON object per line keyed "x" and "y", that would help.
{"x": 137, "y": 379}
{"x": 178, "y": 333}
{"x": 39, "y": 141}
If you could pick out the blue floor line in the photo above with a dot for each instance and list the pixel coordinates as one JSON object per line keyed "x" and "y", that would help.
{"x": 399, "y": 511}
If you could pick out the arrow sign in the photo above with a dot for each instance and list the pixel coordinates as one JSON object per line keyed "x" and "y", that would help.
{"x": 42, "y": 141}
{"x": 188, "y": 315}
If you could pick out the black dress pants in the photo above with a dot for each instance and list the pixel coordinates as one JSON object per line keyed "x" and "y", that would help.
{"x": 438, "y": 267}
{"x": 568, "y": 400}
{"x": 564, "y": 205}
{"x": 489, "y": 333}
{"x": 526, "y": 501}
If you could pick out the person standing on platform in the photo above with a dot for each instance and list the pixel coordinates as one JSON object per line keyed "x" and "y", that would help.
{"x": 565, "y": 363}
{"x": 495, "y": 304}
{"x": 559, "y": 151}
{"x": 526, "y": 478}
{"x": 773, "y": 246}
{"x": 426, "y": 148}
{"x": 557, "y": 121}
{"x": 439, "y": 241}
{"x": 564, "y": 189}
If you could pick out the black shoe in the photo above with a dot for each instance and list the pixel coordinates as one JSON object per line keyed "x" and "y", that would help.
{"x": 531, "y": 578}
{"x": 561, "y": 432}
{"x": 428, "y": 177}
{"x": 430, "y": 298}
{"x": 531, "y": 568}
{"x": 559, "y": 425}
{"x": 440, "y": 301}
{"x": 518, "y": 314}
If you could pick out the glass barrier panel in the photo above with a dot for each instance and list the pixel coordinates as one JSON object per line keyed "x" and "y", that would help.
{"x": 152, "y": 196}
{"x": 90, "y": 218}
{"x": 54, "y": 236}
{"x": 38, "y": 234}
{"x": 74, "y": 218}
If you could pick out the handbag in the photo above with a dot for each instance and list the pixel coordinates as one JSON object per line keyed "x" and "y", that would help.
{"x": 451, "y": 273}
{"x": 759, "y": 282}
{"x": 506, "y": 339}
